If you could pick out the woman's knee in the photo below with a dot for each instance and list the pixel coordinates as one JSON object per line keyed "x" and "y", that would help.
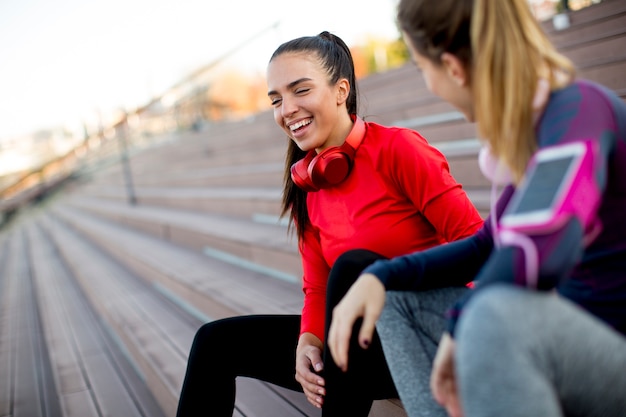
{"x": 346, "y": 270}
{"x": 493, "y": 325}
{"x": 354, "y": 261}
{"x": 224, "y": 335}
{"x": 421, "y": 308}
{"x": 403, "y": 309}
{"x": 396, "y": 306}
{"x": 393, "y": 313}
{"x": 210, "y": 333}
{"x": 498, "y": 305}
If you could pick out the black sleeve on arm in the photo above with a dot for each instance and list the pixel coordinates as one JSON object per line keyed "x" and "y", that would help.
{"x": 560, "y": 252}
{"x": 451, "y": 264}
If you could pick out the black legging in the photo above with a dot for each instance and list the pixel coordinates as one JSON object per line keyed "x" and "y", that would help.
{"x": 263, "y": 347}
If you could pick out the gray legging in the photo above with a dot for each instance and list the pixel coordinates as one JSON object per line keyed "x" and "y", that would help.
{"x": 519, "y": 353}
{"x": 527, "y": 353}
{"x": 410, "y": 328}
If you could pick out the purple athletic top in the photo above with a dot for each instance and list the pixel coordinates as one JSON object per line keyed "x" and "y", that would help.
{"x": 594, "y": 276}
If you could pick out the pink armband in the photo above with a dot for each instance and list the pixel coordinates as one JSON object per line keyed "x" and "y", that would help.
{"x": 560, "y": 184}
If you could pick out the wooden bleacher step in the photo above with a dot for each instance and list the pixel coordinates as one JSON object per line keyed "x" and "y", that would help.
{"x": 156, "y": 331}
{"x": 214, "y": 287}
{"x": 242, "y": 201}
{"x": 27, "y": 385}
{"x": 268, "y": 245}
{"x": 92, "y": 371}
{"x": 244, "y": 291}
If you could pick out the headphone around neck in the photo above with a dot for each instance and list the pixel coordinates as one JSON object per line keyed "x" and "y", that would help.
{"x": 332, "y": 165}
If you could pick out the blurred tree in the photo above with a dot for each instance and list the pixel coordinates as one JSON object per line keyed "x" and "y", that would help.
{"x": 397, "y": 53}
{"x": 378, "y": 55}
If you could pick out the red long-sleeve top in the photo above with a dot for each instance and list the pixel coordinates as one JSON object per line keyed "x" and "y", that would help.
{"x": 399, "y": 198}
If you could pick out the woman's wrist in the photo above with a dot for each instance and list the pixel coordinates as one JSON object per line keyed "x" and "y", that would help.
{"x": 309, "y": 339}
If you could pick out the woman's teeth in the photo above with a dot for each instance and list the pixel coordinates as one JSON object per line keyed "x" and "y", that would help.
{"x": 300, "y": 124}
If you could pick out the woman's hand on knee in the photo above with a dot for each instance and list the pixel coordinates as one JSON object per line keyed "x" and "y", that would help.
{"x": 308, "y": 365}
{"x": 366, "y": 299}
{"x": 443, "y": 382}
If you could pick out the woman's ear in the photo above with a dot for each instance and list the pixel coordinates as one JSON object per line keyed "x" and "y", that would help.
{"x": 343, "y": 90}
{"x": 455, "y": 69}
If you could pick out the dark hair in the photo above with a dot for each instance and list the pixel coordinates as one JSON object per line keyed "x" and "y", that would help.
{"x": 435, "y": 27}
{"x": 335, "y": 57}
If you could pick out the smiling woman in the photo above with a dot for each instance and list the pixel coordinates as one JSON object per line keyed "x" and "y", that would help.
{"x": 395, "y": 195}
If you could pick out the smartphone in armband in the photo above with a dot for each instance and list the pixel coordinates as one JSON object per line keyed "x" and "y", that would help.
{"x": 559, "y": 183}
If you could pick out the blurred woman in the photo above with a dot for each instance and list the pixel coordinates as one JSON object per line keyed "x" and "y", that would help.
{"x": 543, "y": 331}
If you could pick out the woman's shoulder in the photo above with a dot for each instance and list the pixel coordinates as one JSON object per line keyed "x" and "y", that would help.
{"x": 598, "y": 94}
{"x": 584, "y": 91}
{"x": 400, "y": 148}
{"x": 583, "y": 109}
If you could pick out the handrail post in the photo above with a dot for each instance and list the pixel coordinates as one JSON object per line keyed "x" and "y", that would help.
{"x": 128, "y": 178}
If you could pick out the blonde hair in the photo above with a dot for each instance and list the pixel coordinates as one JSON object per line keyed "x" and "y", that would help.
{"x": 510, "y": 53}
{"x": 505, "y": 52}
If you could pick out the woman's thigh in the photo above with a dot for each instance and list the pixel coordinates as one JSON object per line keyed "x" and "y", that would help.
{"x": 257, "y": 346}
{"x": 526, "y": 347}
{"x": 420, "y": 312}
{"x": 410, "y": 329}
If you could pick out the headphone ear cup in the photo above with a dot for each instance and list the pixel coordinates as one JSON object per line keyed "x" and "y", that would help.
{"x": 329, "y": 168}
{"x": 300, "y": 174}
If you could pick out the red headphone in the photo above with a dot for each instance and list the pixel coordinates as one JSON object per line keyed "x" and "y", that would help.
{"x": 332, "y": 165}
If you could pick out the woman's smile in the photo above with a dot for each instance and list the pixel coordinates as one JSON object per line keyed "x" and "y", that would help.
{"x": 300, "y": 128}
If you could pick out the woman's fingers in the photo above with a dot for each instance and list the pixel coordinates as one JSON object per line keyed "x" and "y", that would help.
{"x": 307, "y": 359}
{"x": 339, "y": 336}
{"x": 443, "y": 379}
{"x": 314, "y": 393}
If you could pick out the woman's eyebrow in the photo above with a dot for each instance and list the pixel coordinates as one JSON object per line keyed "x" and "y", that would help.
{"x": 290, "y": 85}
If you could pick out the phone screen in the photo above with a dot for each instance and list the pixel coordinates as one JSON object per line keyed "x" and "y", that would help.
{"x": 543, "y": 186}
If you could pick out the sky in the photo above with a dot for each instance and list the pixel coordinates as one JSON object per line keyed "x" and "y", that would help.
{"x": 64, "y": 61}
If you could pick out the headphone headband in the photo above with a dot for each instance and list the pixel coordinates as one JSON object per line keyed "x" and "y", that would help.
{"x": 356, "y": 135}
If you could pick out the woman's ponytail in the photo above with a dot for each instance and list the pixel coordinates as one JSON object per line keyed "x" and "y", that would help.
{"x": 510, "y": 54}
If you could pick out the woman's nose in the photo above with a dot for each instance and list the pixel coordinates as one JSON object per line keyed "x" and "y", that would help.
{"x": 288, "y": 107}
